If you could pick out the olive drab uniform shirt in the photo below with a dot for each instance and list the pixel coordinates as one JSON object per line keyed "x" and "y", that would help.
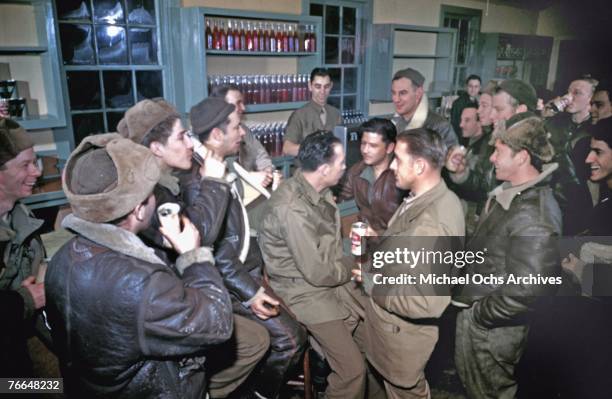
{"x": 302, "y": 248}
{"x": 307, "y": 120}
{"x": 21, "y": 252}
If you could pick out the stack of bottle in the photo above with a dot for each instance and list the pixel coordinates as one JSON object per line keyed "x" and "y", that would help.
{"x": 263, "y": 36}
{"x": 270, "y": 135}
{"x": 353, "y": 117}
{"x": 265, "y": 89}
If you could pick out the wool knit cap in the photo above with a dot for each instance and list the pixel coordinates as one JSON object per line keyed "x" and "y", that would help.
{"x": 602, "y": 131}
{"x": 143, "y": 117}
{"x": 13, "y": 140}
{"x": 209, "y": 113}
{"x": 107, "y": 176}
{"x": 415, "y": 76}
{"x": 522, "y": 92}
{"x": 525, "y": 131}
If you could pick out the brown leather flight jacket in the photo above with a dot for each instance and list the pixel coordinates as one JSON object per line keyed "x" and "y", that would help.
{"x": 385, "y": 197}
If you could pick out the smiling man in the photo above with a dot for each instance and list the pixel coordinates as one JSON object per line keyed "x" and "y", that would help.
{"x": 314, "y": 116}
{"x": 411, "y": 108}
{"x": 21, "y": 250}
{"x": 600, "y": 163}
{"x": 370, "y": 182}
{"x": 516, "y": 228}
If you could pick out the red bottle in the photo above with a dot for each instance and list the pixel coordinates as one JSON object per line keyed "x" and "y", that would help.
{"x": 306, "y": 39}
{"x": 313, "y": 39}
{"x": 296, "y": 39}
{"x": 254, "y": 38}
{"x": 223, "y": 36}
{"x": 262, "y": 38}
{"x": 243, "y": 42}
{"x": 216, "y": 37}
{"x": 285, "y": 37}
{"x": 279, "y": 39}
{"x": 209, "y": 35}
{"x": 272, "y": 39}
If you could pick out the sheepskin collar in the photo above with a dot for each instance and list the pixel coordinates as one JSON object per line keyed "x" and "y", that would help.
{"x": 112, "y": 237}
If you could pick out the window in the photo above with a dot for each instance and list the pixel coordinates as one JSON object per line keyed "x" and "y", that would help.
{"x": 341, "y": 50}
{"x": 111, "y": 59}
{"x": 467, "y": 23}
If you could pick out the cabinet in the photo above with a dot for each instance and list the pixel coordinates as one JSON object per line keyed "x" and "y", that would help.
{"x": 430, "y": 50}
{"x": 193, "y": 62}
{"x": 507, "y": 56}
{"x": 28, "y": 45}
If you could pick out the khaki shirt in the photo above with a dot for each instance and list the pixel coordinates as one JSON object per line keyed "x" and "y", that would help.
{"x": 307, "y": 120}
{"x": 302, "y": 248}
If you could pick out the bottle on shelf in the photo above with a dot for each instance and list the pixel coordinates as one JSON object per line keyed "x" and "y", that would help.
{"x": 216, "y": 36}
{"x": 306, "y": 39}
{"x": 230, "y": 37}
{"x": 209, "y": 35}
{"x": 224, "y": 33}
{"x": 279, "y": 39}
{"x": 243, "y": 38}
{"x": 285, "y": 37}
{"x": 296, "y": 39}
{"x": 290, "y": 43}
{"x": 252, "y": 41}
{"x": 272, "y": 38}
{"x": 313, "y": 39}
{"x": 236, "y": 35}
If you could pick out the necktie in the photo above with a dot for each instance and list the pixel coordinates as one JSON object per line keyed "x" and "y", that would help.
{"x": 323, "y": 116}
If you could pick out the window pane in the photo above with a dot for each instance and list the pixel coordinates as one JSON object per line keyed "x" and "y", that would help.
{"x": 332, "y": 19}
{"x": 335, "y": 101}
{"x": 348, "y": 50}
{"x": 331, "y": 50}
{"x": 335, "y": 74}
{"x": 143, "y": 43}
{"x": 149, "y": 84}
{"x": 348, "y": 20}
{"x": 109, "y": 11}
{"x": 118, "y": 91}
{"x": 84, "y": 90}
{"x": 316, "y": 9}
{"x": 85, "y": 125}
{"x": 141, "y": 12}
{"x": 350, "y": 102}
{"x": 112, "y": 46}
{"x": 350, "y": 80}
{"x": 77, "y": 44}
{"x": 73, "y": 9}
{"x": 112, "y": 120}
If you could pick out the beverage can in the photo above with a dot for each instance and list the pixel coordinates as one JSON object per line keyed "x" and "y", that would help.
{"x": 358, "y": 231}
{"x": 276, "y": 179}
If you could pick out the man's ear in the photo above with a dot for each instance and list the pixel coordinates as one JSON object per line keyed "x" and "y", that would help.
{"x": 521, "y": 108}
{"x": 140, "y": 212}
{"x": 157, "y": 148}
{"x": 420, "y": 166}
{"x": 390, "y": 148}
{"x": 323, "y": 169}
{"x": 216, "y": 135}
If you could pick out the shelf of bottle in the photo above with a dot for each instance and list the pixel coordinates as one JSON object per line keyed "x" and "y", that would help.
{"x": 261, "y": 53}
{"x": 271, "y": 107}
{"x": 20, "y": 50}
{"x": 425, "y": 56}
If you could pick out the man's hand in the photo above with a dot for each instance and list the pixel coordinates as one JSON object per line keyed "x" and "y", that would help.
{"x": 182, "y": 241}
{"x": 264, "y": 306}
{"x": 264, "y": 177}
{"x": 37, "y": 290}
{"x": 357, "y": 275}
{"x": 455, "y": 160}
{"x": 212, "y": 167}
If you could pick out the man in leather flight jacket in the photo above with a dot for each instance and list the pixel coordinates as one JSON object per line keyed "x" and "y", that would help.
{"x": 237, "y": 254}
{"x": 124, "y": 323}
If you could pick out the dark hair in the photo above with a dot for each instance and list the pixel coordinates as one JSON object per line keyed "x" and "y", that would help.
{"x": 426, "y": 144}
{"x": 317, "y": 149}
{"x": 322, "y": 72}
{"x": 205, "y": 134}
{"x": 221, "y": 91}
{"x": 604, "y": 87}
{"x": 473, "y": 77}
{"x": 381, "y": 126}
{"x": 161, "y": 131}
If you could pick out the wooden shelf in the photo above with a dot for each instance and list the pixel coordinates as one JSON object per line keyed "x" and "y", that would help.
{"x": 271, "y": 107}
{"x": 420, "y": 56}
{"x": 17, "y": 50}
